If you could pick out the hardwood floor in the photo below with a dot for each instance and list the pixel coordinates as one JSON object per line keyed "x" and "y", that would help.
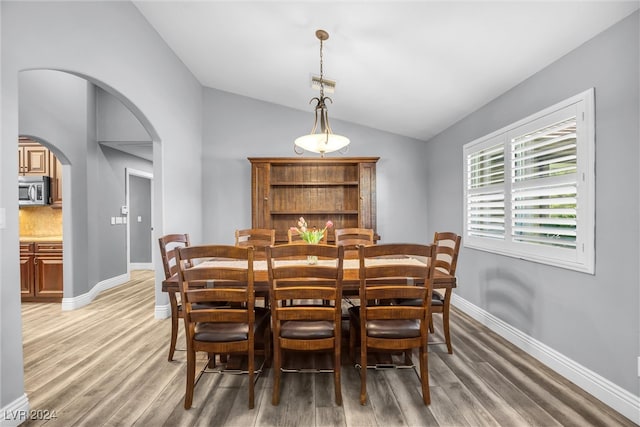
{"x": 106, "y": 364}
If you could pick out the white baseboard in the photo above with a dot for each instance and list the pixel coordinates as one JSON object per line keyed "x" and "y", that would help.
{"x": 84, "y": 299}
{"x": 15, "y": 413}
{"x": 140, "y": 266}
{"x": 163, "y": 311}
{"x": 611, "y": 394}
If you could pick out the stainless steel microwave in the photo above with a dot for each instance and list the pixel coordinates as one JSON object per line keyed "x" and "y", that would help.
{"x": 33, "y": 190}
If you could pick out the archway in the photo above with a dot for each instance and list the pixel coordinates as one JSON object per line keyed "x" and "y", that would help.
{"x": 64, "y": 126}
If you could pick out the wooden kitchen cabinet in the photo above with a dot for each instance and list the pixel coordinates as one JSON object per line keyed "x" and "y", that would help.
{"x": 26, "y": 269}
{"x": 342, "y": 190}
{"x": 41, "y": 277}
{"x": 36, "y": 159}
{"x": 33, "y": 159}
{"x": 55, "y": 186}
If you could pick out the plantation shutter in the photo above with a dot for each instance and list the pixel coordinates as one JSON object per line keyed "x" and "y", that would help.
{"x": 544, "y": 186}
{"x": 485, "y": 192}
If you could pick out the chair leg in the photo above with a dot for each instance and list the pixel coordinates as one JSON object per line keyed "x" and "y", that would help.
{"x": 336, "y": 373}
{"x": 191, "y": 376}
{"x": 424, "y": 375}
{"x": 174, "y": 324}
{"x": 275, "y": 398}
{"x": 447, "y": 336}
{"x": 251, "y": 368}
{"x": 211, "y": 364}
{"x": 268, "y": 354}
{"x": 352, "y": 342}
{"x": 431, "y": 323}
{"x": 445, "y": 321}
{"x": 363, "y": 372}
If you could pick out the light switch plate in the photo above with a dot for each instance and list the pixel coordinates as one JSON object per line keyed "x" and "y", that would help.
{"x": 3, "y": 218}
{"x": 139, "y": 218}
{"x": 118, "y": 220}
{"x": 113, "y": 220}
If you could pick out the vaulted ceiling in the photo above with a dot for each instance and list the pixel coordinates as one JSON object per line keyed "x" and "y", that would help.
{"x": 412, "y": 68}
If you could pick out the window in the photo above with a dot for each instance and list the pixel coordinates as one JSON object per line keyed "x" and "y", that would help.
{"x": 529, "y": 187}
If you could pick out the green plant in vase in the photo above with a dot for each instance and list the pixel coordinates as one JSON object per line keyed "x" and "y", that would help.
{"x": 312, "y": 236}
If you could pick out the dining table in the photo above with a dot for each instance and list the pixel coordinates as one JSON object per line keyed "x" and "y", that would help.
{"x": 350, "y": 281}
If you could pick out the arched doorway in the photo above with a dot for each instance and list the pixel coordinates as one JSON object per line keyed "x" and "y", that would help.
{"x": 63, "y": 110}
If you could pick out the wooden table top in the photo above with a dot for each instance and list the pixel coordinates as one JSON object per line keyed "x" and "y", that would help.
{"x": 350, "y": 281}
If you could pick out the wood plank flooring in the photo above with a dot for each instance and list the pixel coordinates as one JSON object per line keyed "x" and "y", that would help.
{"x": 105, "y": 365}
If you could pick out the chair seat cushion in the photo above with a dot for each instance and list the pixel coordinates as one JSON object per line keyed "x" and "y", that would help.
{"x": 306, "y": 329}
{"x": 221, "y": 332}
{"x": 391, "y": 329}
{"x": 227, "y": 332}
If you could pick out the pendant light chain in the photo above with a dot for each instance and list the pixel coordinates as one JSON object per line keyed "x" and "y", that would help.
{"x": 321, "y": 73}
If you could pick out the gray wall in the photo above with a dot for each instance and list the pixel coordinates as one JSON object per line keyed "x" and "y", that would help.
{"x": 112, "y": 165}
{"x": 592, "y": 319}
{"x": 115, "y": 122}
{"x": 94, "y": 40}
{"x": 237, "y": 127}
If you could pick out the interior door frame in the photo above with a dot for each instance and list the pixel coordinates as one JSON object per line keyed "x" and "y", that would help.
{"x": 141, "y": 174}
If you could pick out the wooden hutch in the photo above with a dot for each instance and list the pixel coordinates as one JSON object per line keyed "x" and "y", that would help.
{"x": 342, "y": 190}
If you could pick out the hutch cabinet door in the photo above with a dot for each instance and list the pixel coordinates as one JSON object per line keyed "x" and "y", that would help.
{"x": 260, "y": 203}
{"x": 367, "y": 216}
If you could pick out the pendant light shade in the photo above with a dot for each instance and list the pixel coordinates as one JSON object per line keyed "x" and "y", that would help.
{"x": 321, "y": 140}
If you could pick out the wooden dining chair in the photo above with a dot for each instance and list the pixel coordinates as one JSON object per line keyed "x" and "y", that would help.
{"x": 294, "y": 237}
{"x": 446, "y": 259}
{"x": 393, "y": 272}
{"x": 168, "y": 245}
{"x": 350, "y": 238}
{"x": 297, "y": 324}
{"x": 258, "y": 238}
{"x": 234, "y": 328}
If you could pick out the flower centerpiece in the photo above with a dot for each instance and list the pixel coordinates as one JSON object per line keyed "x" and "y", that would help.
{"x": 311, "y": 236}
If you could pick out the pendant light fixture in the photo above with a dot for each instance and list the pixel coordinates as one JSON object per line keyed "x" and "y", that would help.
{"x": 325, "y": 141}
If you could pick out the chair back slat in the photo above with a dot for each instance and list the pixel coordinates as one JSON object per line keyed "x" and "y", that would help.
{"x": 221, "y": 315}
{"x": 352, "y": 237}
{"x": 168, "y": 245}
{"x": 447, "y": 249}
{"x": 224, "y": 294}
{"x": 389, "y": 312}
{"x": 257, "y": 238}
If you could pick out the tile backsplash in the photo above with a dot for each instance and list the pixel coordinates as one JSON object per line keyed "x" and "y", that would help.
{"x": 40, "y": 221}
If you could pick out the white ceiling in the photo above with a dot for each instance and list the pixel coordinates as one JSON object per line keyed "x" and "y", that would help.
{"x": 412, "y": 68}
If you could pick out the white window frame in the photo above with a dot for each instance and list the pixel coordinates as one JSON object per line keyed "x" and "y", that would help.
{"x": 495, "y": 233}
